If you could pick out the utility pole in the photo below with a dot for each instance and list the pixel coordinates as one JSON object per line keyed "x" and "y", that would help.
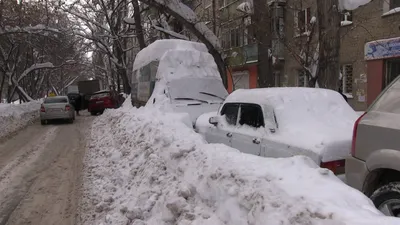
{"x": 329, "y": 44}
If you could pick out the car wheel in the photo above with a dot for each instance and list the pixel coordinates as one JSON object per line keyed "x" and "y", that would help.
{"x": 43, "y": 122}
{"x": 387, "y": 199}
{"x": 93, "y": 113}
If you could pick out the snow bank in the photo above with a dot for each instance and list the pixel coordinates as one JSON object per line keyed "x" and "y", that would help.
{"x": 143, "y": 167}
{"x": 15, "y": 117}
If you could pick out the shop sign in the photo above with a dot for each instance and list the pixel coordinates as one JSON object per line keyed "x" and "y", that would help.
{"x": 382, "y": 49}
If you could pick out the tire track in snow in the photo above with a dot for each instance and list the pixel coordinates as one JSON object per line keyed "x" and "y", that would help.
{"x": 17, "y": 171}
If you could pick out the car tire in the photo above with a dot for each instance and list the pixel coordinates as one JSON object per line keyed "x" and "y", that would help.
{"x": 387, "y": 199}
{"x": 93, "y": 113}
{"x": 43, "y": 122}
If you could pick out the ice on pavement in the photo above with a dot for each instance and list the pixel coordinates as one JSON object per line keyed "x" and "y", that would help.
{"x": 145, "y": 167}
{"x": 317, "y": 120}
{"x": 14, "y": 117}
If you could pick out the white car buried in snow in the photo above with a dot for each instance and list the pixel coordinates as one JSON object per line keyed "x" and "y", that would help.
{"x": 283, "y": 122}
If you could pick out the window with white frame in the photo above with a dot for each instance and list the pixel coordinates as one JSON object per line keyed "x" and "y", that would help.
{"x": 347, "y": 18}
{"x": 347, "y": 78}
{"x": 302, "y": 21}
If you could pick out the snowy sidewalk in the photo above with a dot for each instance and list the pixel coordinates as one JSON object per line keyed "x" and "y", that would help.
{"x": 146, "y": 167}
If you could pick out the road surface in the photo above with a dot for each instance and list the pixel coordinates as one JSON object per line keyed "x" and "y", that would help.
{"x": 40, "y": 173}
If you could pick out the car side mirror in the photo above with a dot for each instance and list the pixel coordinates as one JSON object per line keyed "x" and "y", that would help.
{"x": 213, "y": 120}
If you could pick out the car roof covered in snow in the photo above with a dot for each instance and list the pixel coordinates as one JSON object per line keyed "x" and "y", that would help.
{"x": 279, "y": 96}
{"x": 156, "y": 50}
{"x": 187, "y": 63}
{"x": 307, "y": 117}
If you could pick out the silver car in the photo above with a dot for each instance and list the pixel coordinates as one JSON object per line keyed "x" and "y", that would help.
{"x": 374, "y": 165}
{"x": 56, "y": 108}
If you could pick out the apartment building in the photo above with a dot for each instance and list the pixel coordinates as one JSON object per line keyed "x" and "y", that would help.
{"x": 369, "y": 51}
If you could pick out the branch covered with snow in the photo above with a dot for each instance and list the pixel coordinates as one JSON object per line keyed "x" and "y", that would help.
{"x": 29, "y": 29}
{"x": 35, "y": 66}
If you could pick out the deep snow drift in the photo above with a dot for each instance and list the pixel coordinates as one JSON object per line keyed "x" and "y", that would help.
{"x": 146, "y": 167}
{"x": 14, "y": 117}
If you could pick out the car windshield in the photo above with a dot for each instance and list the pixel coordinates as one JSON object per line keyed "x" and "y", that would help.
{"x": 52, "y": 100}
{"x": 199, "y": 89}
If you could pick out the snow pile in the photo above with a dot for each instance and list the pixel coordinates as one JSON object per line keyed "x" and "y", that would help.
{"x": 15, "y": 117}
{"x": 144, "y": 167}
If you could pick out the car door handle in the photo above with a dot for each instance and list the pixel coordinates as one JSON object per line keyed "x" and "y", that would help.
{"x": 256, "y": 141}
{"x": 229, "y": 134}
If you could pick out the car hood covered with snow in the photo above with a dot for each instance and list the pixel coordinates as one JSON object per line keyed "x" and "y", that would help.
{"x": 313, "y": 119}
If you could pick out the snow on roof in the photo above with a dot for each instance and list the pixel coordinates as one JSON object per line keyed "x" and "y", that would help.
{"x": 156, "y": 50}
{"x": 176, "y": 64}
{"x": 311, "y": 118}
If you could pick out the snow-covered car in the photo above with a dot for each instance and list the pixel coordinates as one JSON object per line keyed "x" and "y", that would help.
{"x": 283, "y": 122}
{"x": 177, "y": 76}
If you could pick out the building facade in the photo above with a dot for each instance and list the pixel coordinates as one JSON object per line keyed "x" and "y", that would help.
{"x": 366, "y": 66}
{"x": 368, "y": 61}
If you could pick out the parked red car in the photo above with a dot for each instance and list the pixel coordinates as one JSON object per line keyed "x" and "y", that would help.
{"x": 102, "y": 100}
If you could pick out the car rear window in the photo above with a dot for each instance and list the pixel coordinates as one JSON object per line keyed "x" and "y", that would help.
{"x": 389, "y": 101}
{"x": 100, "y": 95}
{"x": 55, "y": 100}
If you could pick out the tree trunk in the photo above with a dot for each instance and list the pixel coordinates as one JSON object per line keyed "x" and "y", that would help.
{"x": 329, "y": 44}
{"x": 262, "y": 24}
{"x": 138, "y": 24}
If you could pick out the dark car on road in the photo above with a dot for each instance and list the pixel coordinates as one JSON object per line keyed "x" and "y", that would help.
{"x": 102, "y": 100}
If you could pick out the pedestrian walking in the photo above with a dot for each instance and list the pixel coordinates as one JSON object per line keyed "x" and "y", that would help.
{"x": 78, "y": 104}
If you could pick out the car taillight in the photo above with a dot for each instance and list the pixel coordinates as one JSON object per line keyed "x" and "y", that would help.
{"x": 42, "y": 109}
{"x": 67, "y": 108}
{"x": 333, "y": 165}
{"x": 353, "y": 142}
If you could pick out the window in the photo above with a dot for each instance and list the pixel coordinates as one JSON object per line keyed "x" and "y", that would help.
{"x": 394, "y": 4}
{"x": 392, "y": 70}
{"x": 277, "y": 21}
{"x": 302, "y": 22}
{"x": 347, "y": 78}
{"x": 347, "y": 18}
{"x": 51, "y": 100}
{"x": 230, "y": 110}
{"x": 302, "y": 80}
{"x": 251, "y": 115}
